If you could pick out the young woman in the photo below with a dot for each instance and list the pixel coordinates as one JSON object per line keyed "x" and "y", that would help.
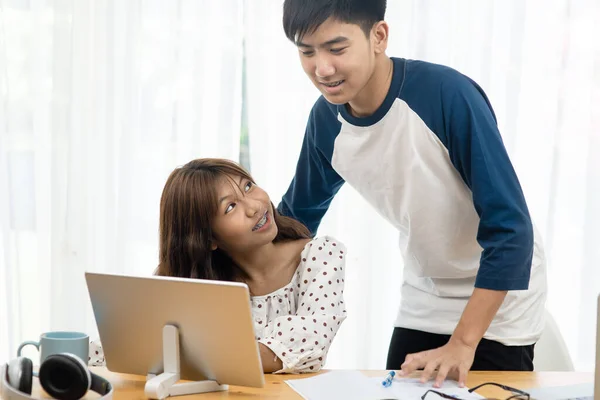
{"x": 216, "y": 223}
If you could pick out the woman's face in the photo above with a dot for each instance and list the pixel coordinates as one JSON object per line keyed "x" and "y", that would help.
{"x": 244, "y": 219}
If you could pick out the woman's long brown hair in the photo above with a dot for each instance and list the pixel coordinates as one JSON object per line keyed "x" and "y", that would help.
{"x": 188, "y": 206}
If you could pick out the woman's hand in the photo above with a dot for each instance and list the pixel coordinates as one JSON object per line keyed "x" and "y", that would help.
{"x": 270, "y": 361}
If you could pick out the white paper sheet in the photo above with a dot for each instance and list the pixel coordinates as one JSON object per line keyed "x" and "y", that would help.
{"x": 353, "y": 385}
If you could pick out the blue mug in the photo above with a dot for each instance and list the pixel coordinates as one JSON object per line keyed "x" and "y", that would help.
{"x": 76, "y": 343}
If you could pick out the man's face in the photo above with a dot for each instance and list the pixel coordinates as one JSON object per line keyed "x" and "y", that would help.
{"x": 339, "y": 60}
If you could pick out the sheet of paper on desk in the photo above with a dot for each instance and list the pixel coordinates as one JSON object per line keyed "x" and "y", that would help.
{"x": 353, "y": 385}
{"x": 405, "y": 388}
{"x": 347, "y": 385}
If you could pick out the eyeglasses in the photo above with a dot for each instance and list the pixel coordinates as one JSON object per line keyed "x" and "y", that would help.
{"x": 517, "y": 394}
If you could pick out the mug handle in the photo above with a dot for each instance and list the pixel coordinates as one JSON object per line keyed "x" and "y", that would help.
{"x": 36, "y": 344}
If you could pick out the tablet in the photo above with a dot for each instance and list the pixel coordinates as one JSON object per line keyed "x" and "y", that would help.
{"x": 214, "y": 321}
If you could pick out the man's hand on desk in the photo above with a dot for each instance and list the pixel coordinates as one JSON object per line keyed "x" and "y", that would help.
{"x": 455, "y": 358}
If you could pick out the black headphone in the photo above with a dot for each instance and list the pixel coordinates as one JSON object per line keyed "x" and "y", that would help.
{"x": 63, "y": 376}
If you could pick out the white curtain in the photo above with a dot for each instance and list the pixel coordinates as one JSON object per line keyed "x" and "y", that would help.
{"x": 539, "y": 62}
{"x": 99, "y": 101}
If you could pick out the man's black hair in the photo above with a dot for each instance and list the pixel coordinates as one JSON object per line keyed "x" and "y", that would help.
{"x": 301, "y": 17}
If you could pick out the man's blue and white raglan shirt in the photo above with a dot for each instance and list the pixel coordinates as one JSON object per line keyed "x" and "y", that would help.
{"x": 431, "y": 161}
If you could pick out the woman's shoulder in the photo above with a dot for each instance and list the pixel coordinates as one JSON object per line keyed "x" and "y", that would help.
{"x": 322, "y": 252}
{"x": 325, "y": 243}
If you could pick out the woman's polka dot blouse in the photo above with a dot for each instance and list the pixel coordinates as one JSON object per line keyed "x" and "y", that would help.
{"x": 299, "y": 321}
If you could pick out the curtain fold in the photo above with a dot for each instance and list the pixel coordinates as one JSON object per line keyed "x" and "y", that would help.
{"x": 100, "y": 100}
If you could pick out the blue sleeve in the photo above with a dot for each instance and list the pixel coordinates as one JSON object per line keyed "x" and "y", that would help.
{"x": 477, "y": 151}
{"x": 315, "y": 182}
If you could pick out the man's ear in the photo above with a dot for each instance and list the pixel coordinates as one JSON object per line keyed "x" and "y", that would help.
{"x": 379, "y": 36}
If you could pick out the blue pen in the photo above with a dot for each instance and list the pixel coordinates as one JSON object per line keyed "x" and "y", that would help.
{"x": 387, "y": 382}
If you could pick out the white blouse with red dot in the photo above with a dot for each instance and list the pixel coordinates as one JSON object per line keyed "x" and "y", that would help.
{"x": 298, "y": 321}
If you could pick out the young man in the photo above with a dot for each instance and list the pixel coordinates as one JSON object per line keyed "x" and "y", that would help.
{"x": 420, "y": 142}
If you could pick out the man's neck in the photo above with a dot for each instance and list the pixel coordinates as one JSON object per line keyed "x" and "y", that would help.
{"x": 371, "y": 97}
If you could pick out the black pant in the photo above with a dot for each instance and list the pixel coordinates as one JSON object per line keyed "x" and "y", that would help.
{"x": 489, "y": 355}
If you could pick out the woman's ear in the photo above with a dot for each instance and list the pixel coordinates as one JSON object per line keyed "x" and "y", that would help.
{"x": 213, "y": 245}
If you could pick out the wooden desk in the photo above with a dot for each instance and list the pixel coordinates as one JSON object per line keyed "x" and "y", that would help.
{"x": 131, "y": 387}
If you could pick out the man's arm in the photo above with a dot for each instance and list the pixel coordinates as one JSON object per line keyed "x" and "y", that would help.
{"x": 478, "y": 315}
{"x": 315, "y": 182}
{"x": 505, "y": 230}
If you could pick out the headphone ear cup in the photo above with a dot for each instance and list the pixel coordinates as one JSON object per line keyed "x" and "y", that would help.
{"x": 64, "y": 377}
{"x": 20, "y": 374}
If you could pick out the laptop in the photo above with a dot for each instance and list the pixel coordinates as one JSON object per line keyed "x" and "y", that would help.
{"x": 213, "y": 321}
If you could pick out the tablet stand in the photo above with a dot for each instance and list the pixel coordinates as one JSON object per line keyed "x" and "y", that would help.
{"x": 164, "y": 385}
